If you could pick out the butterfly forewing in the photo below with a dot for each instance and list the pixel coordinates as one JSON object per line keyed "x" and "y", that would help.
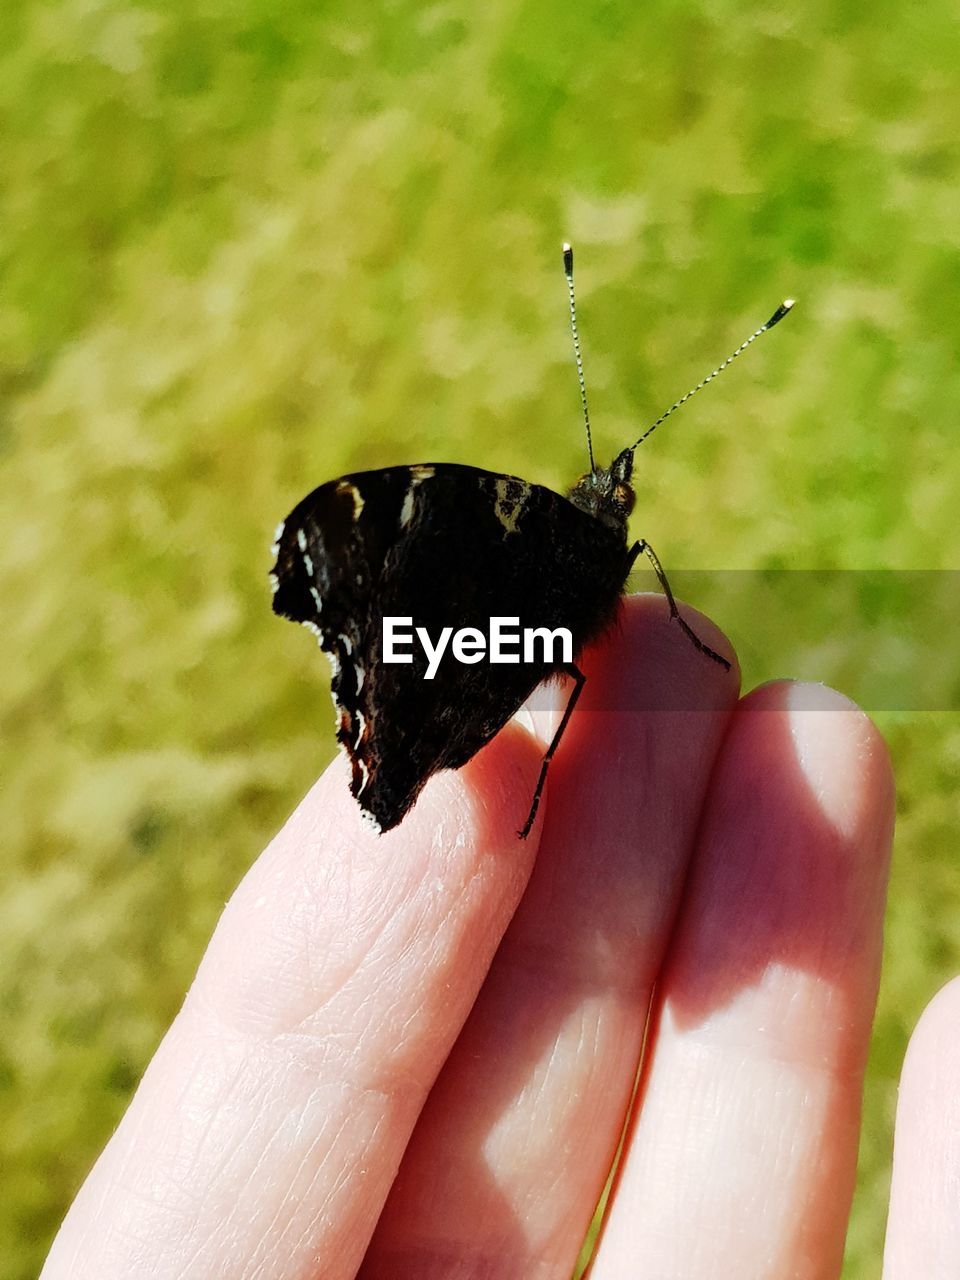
{"x": 446, "y": 546}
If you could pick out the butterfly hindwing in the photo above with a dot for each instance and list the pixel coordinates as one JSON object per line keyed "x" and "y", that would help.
{"x": 445, "y": 546}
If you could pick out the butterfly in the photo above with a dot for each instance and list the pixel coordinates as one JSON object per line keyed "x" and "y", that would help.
{"x": 442, "y": 545}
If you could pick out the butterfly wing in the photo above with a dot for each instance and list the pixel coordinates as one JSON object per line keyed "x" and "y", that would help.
{"x": 444, "y": 546}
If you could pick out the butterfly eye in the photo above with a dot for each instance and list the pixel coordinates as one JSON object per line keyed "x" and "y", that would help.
{"x": 624, "y": 497}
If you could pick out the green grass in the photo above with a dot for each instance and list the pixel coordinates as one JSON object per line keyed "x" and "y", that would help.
{"x": 245, "y": 247}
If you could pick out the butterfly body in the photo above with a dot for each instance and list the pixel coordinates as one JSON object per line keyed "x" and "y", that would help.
{"x": 446, "y": 546}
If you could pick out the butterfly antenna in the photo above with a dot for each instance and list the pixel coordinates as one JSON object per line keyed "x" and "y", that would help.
{"x": 568, "y": 272}
{"x": 777, "y": 316}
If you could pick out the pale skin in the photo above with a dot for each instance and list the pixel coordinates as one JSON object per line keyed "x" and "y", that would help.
{"x": 412, "y": 1055}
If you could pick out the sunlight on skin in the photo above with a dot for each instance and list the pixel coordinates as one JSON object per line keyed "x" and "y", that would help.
{"x": 750, "y": 1111}
{"x": 823, "y": 756}
{"x": 923, "y": 1234}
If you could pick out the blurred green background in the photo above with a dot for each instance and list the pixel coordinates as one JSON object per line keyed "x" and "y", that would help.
{"x": 247, "y": 246}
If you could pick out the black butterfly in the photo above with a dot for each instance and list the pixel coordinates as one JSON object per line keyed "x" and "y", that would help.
{"x": 452, "y": 546}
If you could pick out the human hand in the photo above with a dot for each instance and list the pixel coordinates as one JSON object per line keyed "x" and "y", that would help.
{"x": 412, "y": 1055}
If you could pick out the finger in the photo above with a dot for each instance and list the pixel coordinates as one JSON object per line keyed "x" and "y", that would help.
{"x": 742, "y": 1158}
{"x": 268, "y": 1128}
{"x": 923, "y": 1231}
{"x": 511, "y": 1153}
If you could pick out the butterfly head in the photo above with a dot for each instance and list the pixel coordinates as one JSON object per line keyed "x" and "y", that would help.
{"x": 607, "y": 493}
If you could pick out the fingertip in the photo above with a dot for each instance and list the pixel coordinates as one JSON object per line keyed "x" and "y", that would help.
{"x": 645, "y": 661}
{"x": 654, "y": 607}
{"x": 931, "y": 1068}
{"x": 478, "y": 803}
{"x": 839, "y": 754}
{"x": 497, "y": 785}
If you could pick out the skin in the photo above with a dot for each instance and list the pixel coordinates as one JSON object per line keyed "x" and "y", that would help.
{"x": 413, "y": 1055}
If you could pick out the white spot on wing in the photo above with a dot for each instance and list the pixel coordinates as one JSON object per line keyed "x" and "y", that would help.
{"x": 406, "y": 511}
{"x": 275, "y": 548}
{"x": 370, "y": 820}
{"x": 316, "y": 599}
{"x": 344, "y": 486}
{"x": 312, "y": 626}
{"x": 420, "y": 473}
{"x": 302, "y": 540}
{"x": 363, "y": 786}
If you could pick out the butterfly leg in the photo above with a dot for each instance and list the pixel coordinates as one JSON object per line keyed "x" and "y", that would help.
{"x": 645, "y": 548}
{"x": 579, "y": 681}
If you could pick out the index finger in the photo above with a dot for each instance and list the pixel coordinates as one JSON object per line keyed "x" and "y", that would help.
{"x": 267, "y": 1130}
